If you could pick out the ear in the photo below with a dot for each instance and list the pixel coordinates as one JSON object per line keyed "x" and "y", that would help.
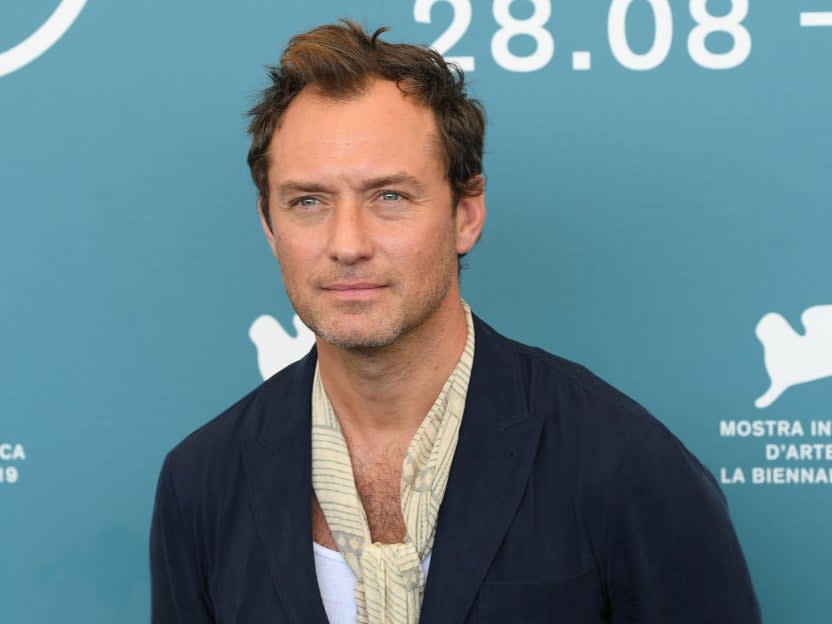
{"x": 262, "y": 207}
{"x": 470, "y": 219}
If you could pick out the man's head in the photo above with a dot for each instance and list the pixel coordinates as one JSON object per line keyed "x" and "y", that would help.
{"x": 340, "y": 61}
{"x": 355, "y": 151}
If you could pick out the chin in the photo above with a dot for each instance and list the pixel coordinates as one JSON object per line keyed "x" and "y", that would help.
{"x": 358, "y": 338}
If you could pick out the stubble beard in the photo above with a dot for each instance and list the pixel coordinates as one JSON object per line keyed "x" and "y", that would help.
{"x": 377, "y": 333}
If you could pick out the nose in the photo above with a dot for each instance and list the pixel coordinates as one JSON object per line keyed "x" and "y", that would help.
{"x": 349, "y": 240}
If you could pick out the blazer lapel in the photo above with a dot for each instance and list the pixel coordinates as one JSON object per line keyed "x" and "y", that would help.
{"x": 278, "y": 473}
{"x": 490, "y": 470}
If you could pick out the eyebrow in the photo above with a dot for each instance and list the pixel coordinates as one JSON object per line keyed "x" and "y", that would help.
{"x": 394, "y": 179}
{"x": 398, "y": 178}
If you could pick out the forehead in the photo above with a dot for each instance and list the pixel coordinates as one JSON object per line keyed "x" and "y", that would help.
{"x": 381, "y": 128}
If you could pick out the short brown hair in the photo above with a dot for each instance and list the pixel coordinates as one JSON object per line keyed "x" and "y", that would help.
{"x": 341, "y": 60}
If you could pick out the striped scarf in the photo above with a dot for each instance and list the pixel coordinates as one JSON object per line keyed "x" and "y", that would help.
{"x": 389, "y": 578}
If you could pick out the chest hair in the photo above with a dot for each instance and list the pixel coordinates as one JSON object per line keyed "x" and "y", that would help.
{"x": 378, "y": 481}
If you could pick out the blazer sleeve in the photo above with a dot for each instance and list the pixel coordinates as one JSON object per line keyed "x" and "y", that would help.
{"x": 176, "y": 581}
{"x": 673, "y": 555}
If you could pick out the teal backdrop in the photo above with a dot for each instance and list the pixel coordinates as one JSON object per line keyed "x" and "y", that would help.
{"x": 663, "y": 217}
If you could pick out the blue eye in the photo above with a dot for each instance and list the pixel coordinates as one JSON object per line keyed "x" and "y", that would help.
{"x": 390, "y": 196}
{"x": 306, "y": 201}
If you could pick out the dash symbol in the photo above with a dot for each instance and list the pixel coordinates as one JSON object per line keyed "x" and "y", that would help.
{"x": 816, "y": 18}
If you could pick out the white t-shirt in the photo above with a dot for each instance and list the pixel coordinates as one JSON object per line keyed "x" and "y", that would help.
{"x": 337, "y": 584}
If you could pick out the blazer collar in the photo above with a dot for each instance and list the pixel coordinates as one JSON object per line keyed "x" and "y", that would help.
{"x": 277, "y": 465}
{"x": 488, "y": 476}
{"x": 491, "y": 467}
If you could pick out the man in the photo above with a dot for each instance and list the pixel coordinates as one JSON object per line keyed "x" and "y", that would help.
{"x": 416, "y": 465}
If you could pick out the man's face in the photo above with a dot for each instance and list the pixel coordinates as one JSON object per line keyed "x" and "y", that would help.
{"x": 361, "y": 216}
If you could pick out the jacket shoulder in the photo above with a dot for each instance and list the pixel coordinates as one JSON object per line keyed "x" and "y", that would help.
{"x": 203, "y": 451}
{"x": 596, "y": 428}
{"x": 573, "y": 387}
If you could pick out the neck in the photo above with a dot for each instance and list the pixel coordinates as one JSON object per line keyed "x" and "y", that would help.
{"x": 388, "y": 391}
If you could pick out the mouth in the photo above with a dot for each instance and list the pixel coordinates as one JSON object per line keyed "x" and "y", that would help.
{"x": 347, "y": 289}
{"x": 352, "y": 285}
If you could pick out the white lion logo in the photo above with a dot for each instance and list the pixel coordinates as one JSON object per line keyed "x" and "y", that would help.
{"x": 793, "y": 359}
{"x": 276, "y": 349}
{"x": 43, "y": 38}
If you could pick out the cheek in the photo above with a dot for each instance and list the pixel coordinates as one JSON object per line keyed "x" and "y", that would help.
{"x": 421, "y": 253}
{"x": 294, "y": 256}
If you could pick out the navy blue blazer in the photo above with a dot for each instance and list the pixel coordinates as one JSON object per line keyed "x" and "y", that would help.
{"x": 567, "y": 502}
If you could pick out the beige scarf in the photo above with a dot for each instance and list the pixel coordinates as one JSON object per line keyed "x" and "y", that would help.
{"x": 390, "y": 582}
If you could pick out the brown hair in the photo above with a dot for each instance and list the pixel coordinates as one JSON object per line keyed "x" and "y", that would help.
{"x": 341, "y": 60}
